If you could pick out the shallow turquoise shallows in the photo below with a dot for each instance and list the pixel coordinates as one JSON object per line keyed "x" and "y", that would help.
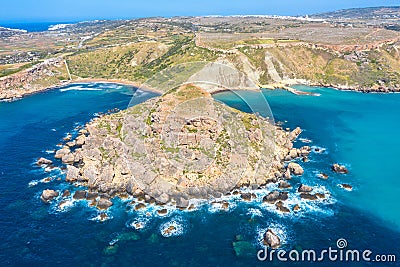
{"x": 357, "y": 130}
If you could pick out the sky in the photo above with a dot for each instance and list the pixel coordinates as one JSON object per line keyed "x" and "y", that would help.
{"x": 78, "y": 10}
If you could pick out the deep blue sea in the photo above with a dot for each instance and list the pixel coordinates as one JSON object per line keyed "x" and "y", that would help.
{"x": 30, "y": 26}
{"x": 357, "y": 130}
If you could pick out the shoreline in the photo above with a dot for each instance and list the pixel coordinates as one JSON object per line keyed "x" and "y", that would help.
{"x": 285, "y": 85}
{"x": 77, "y": 81}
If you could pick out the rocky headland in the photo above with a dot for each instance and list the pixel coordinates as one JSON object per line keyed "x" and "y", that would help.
{"x": 177, "y": 147}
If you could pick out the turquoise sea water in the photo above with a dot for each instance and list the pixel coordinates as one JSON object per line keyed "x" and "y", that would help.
{"x": 358, "y": 130}
{"x": 35, "y": 234}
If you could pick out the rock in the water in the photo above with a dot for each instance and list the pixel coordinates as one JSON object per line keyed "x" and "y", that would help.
{"x": 296, "y": 207}
{"x": 271, "y": 239}
{"x": 66, "y": 193}
{"x": 48, "y": 195}
{"x": 162, "y": 211}
{"x": 347, "y": 187}
{"x": 140, "y": 206}
{"x": 43, "y": 161}
{"x": 80, "y": 194}
{"x": 339, "y": 168}
{"x": 275, "y": 196}
{"x": 323, "y": 176}
{"x": 104, "y": 204}
{"x": 320, "y": 195}
{"x": 246, "y": 196}
{"x": 62, "y": 152}
{"x": 304, "y": 189}
{"x": 91, "y": 195}
{"x": 71, "y": 143}
{"x": 308, "y": 196}
{"x": 284, "y": 185}
{"x": 295, "y": 168}
{"x": 279, "y": 206}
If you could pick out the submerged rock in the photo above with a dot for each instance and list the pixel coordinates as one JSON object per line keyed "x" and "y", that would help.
{"x": 271, "y": 239}
{"x": 339, "y": 168}
{"x": 48, "y": 195}
{"x": 244, "y": 249}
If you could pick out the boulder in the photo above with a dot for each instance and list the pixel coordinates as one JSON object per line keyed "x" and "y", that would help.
{"x": 91, "y": 195}
{"x": 80, "y": 140}
{"x": 339, "y": 168}
{"x": 48, "y": 195}
{"x": 66, "y": 193}
{"x": 287, "y": 175}
{"x": 279, "y": 206}
{"x": 246, "y": 196}
{"x": 140, "y": 206}
{"x": 296, "y": 207}
{"x": 295, "y": 168}
{"x": 61, "y": 152}
{"x": 347, "y": 187}
{"x": 304, "y": 189}
{"x": 80, "y": 194}
{"x": 68, "y": 158}
{"x": 293, "y": 153}
{"x": 275, "y": 196}
{"x": 72, "y": 173}
{"x": 308, "y": 196}
{"x": 271, "y": 239}
{"x": 323, "y": 176}
{"x": 284, "y": 185}
{"x": 43, "y": 161}
{"x": 162, "y": 211}
{"x": 103, "y": 204}
{"x": 305, "y": 151}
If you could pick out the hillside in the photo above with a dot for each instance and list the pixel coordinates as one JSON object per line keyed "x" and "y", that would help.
{"x": 357, "y": 53}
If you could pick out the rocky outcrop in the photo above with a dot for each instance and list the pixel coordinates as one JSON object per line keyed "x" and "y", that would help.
{"x": 141, "y": 151}
{"x": 48, "y": 195}
{"x": 295, "y": 168}
{"x": 271, "y": 239}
